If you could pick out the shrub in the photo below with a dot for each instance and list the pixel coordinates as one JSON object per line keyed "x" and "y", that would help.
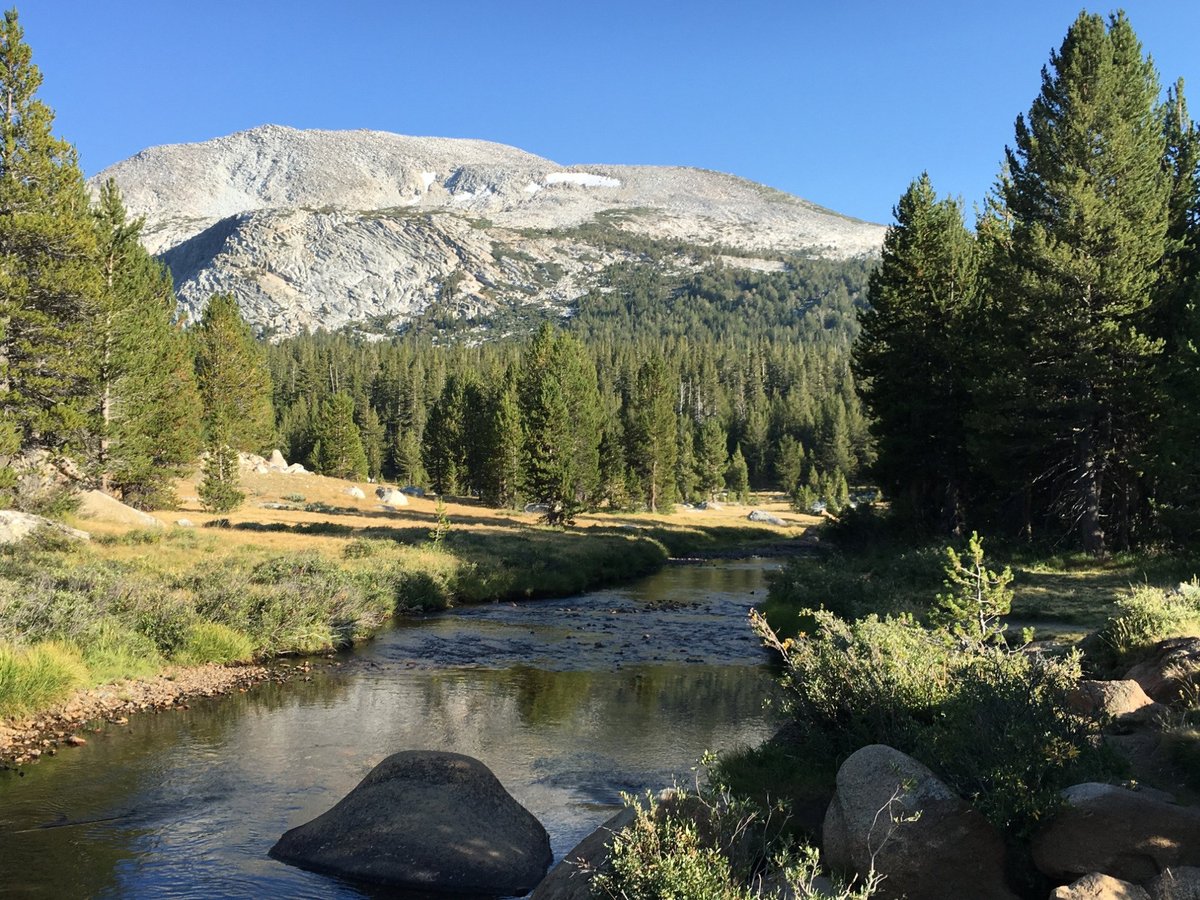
{"x": 358, "y": 549}
{"x": 709, "y": 845}
{"x": 419, "y": 591}
{"x": 995, "y": 724}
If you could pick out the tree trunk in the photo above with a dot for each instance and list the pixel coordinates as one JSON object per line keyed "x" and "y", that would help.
{"x": 1091, "y": 532}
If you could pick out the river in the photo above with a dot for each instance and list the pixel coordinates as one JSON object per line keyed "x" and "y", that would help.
{"x": 570, "y": 702}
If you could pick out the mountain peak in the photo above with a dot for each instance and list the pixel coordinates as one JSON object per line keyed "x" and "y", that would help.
{"x": 314, "y": 228}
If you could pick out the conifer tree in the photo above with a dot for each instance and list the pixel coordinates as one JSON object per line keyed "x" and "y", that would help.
{"x": 911, "y": 359}
{"x": 501, "y": 474}
{"x": 737, "y": 476}
{"x": 148, "y": 417}
{"x": 370, "y": 428}
{"x": 1079, "y": 232}
{"x": 337, "y": 447}
{"x": 1174, "y": 464}
{"x": 449, "y": 436}
{"x": 48, "y": 277}
{"x": 560, "y": 412}
{"x": 235, "y": 384}
{"x": 219, "y": 486}
{"x": 650, "y": 434}
{"x": 687, "y": 475}
{"x": 711, "y": 455}
{"x": 789, "y": 464}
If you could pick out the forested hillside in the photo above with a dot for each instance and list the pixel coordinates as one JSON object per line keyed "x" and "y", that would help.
{"x": 692, "y": 374}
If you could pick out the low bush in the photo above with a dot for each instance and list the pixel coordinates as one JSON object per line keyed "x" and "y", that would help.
{"x": 994, "y": 723}
{"x": 709, "y": 845}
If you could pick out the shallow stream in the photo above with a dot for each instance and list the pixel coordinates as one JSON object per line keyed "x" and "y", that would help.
{"x": 570, "y": 702}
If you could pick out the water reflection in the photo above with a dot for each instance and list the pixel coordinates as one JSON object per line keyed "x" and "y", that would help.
{"x": 186, "y": 804}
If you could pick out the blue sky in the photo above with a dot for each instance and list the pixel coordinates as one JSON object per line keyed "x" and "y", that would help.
{"x": 842, "y": 106}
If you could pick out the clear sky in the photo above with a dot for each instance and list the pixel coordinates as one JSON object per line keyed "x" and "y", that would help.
{"x": 840, "y": 103}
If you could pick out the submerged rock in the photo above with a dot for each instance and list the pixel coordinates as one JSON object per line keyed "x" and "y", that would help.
{"x": 425, "y": 821}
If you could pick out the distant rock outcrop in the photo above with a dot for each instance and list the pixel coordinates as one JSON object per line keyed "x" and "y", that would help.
{"x": 16, "y": 526}
{"x": 104, "y": 508}
{"x": 313, "y": 229}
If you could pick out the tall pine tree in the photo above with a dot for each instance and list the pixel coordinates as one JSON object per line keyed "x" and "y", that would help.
{"x": 235, "y": 384}
{"x": 1076, "y": 241}
{"x": 912, "y": 354}
{"x": 48, "y": 277}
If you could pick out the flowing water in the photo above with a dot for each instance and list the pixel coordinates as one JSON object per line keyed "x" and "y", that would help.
{"x": 570, "y": 702}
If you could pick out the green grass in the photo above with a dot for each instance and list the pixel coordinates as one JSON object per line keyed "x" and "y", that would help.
{"x": 32, "y": 678}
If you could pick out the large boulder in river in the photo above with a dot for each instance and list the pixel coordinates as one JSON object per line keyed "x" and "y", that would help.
{"x": 1132, "y": 835}
{"x": 892, "y": 811}
{"x": 425, "y": 821}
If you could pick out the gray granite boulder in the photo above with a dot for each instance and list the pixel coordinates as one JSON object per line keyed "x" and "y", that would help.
{"x": 926, "y": 840}
{"x": 425, "y": 821}
{"x": 1131, "y": 835}
{"x": 1178, "y": 883}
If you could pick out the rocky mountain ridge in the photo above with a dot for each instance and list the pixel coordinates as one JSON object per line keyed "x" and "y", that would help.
{"x": 325, "y": 229}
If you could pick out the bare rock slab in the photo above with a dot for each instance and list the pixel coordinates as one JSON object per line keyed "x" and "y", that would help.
{"x": 1099, "y": 887}
{"x": 926, "y": 840}
{"x": 16, "y": 526}
{"x": 425, "y": 821}
{"x": 1131, "y": 835}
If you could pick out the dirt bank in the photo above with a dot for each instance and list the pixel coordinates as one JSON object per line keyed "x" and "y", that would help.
{"x": 69, "y": 724}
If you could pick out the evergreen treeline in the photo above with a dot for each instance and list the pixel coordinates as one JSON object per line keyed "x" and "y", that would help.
{"x": 95, "y": 367}
{"x": 1038, "y": 377}
{"x": 658, "y": 390}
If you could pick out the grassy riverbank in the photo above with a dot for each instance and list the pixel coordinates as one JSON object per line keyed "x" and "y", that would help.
{"x": 302, "y": 568}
